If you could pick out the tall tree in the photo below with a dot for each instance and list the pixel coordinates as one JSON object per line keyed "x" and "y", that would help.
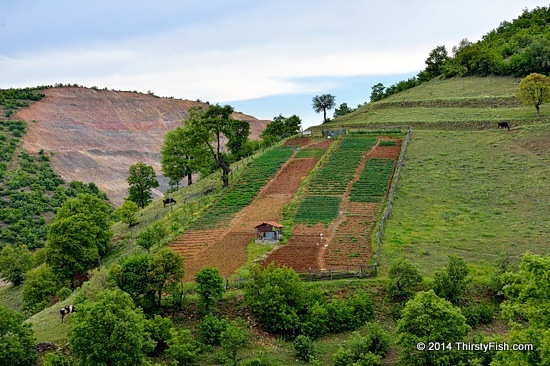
{"x": 241, "y": 131}
{"x": 378, "y": 92}
{"x": 534, "y": 90}
{"x": 207, "y": 128}
{"x": 141, "y": 179}
{"x": 110, "y": 331}
{"x": 179, "y": 158}
{"x": 322, "y": 103}
{"x": 166, "y": 269}
{"x": 437, "y": 57}
{"x": 210, "y": 287}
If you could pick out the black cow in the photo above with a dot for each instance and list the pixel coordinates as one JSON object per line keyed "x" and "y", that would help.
{"x": 168, "y": 201}
{"x": 503, "y": 125}
{"x": 67, "y": 310}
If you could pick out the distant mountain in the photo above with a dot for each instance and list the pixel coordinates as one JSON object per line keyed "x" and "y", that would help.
{"x": 96, "y": 135}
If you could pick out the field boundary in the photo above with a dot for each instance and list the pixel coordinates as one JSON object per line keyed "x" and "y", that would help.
{"x": 393, "y": 188}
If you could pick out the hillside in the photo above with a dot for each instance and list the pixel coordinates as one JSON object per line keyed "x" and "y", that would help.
{"x": 457, "y": 103}
{"x": 96, "y": 135}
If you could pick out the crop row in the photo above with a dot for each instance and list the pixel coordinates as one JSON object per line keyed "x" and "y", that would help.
{"x": 318, "y": 209}
{"x": 310, "y": 153}
{"x": 340, "y": 168}
{"x": 373, "y": 183}
{"x": 243, "y": 192}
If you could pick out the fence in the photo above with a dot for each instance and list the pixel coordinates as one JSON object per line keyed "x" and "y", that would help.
{"x": 387, "y": 211}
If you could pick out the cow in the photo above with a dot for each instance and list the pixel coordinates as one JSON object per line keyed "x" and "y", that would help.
{"x": 67, "y": 310}
{"x": 503, "y": 125}
{"x": 168, "y": 201}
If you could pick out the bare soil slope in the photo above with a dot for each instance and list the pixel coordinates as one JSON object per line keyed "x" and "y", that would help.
{"x": 97, "y": 134}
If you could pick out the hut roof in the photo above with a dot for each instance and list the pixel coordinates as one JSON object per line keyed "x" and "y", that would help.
{"x": 269, "y": 223}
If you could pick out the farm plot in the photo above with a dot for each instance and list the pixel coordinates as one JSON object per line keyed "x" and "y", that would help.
{"x": 291, "y": 176}
{"x": 334, "y": 177}
{"x": 374, "y": 181}
{"x": 318, "y": 209}
{"x": 310, "y": 153}
{"x": 243, "y": 192}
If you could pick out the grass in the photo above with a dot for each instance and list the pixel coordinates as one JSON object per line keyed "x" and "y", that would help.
{"x": 12, "y": 297}
{"x": 475, "y": 194}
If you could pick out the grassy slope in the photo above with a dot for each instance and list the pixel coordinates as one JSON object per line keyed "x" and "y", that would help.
{"x": 476, "y": 194}
{"x": 487, "y": 100}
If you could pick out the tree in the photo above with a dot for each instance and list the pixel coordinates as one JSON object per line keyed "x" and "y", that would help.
{"x": 534, "y": 90}
{"x": 206, "y": 128}
{"x": 437, "y": 57}
{"x": 165, "y": 269}
{"x": 132, "y": 277}
{"x": 378, "y": 92}
{"x": 427, "y": 318}
{"x": 127, "y": 213}
{"x": 241, "y": 131}
{"x": 278, "y": 297}
{"x": 182, "y": 348}
{"x": 16, "y": 339}
{"x": 72, "y": 247}
{"x": 527, "y": 310}
{"x": 451, "y": 283}
{"x": 210, "y": 287}
{"x": 14, "y": 263}
{"x": 150, "y": 236}
{"x": 110, "y": 331}
{"x": 40, "y": 287}
{"x": 180, "y": 157}
{"x": 342, "y": 110}
{"x": 233, "y": 338}
{"x": 403, "y": 276}
{"x": 141, "y": 179}
{"x": 322, "y": 103}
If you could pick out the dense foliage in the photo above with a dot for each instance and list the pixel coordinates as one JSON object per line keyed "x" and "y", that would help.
{"x": 516, "y": 48}
{"x": 12, "y": 99}
{"x": 141, "y": 179}
{"x": 16, "y": 339}
{"x": 281, "y": 128}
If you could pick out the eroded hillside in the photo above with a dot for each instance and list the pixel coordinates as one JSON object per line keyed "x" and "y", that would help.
{"x": 97, "y": 134}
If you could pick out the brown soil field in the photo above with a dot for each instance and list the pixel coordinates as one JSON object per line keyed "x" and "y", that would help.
{"x": 225, "y": 248}
{"x": 298, "y": 141}
{"x": 97, "y": 135}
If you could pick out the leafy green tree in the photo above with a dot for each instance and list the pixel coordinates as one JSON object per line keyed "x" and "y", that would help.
{"x": 110, "y": 331}
{"x": 127, "y": 213}
{"x": 180, "y": 157}
{"x": 141, "y": 179}
{"x": 14, "y": 263}
{"x": 40, "y": 287}
{"x": 241, "y": 131}
{"x": 16, "y": 339}
{"x": 182, "y": 348}
{"x": 159, "y": 329}
{"x": 378, "y": 92}
{"x": 233, "y": 338}
{"x": 278, "y": 297}
{"x": 427, "y": 318}
{"x": 527, "y": 310}
{"x": 72, "y": 247}
{"x": 403, "y": 277}
{"x": 343, "y": 109}
{"x": 132, "y": 276}
{"x": 322, "y": 103}
{"x": 150, "y": 236}
{"x": 210, "y": 287}
{"x": 534, "y": 90}
{"x": 437, "y": 57}
{"x": 206, "y": 128}
{"x": 451, "y": 283}
{"x": 211, "y": 328}
{"x": 166, "y": 269}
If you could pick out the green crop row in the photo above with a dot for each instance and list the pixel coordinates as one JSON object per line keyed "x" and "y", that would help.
{"x": 340, "y": 168}
{"x": 318, "y": 209}
{"x": 243, "y": 192}
{"x": 373, "y": 183}
{"x": 310, "y": 153}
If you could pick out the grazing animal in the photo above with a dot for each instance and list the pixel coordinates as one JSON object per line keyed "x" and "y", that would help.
{"x": 67, "y": 310}
{"x": 503, "y": 125}
{"x": 168, "y": 201}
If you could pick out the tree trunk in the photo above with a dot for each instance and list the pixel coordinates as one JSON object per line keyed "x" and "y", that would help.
{"x": 189, "y": 179}
{"x": 537, "y": 106}
{"x": 324, "y": 115}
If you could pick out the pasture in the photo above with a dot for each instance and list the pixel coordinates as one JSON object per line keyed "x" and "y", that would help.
{"x": 475, "y": 194}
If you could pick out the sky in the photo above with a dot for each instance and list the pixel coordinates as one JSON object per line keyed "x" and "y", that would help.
{"x": 264, "y": 58}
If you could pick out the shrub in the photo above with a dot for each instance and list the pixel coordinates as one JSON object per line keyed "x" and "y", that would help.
{"x": 478, "y": 314}
{"x": 211, "y": 328}
{"x": 304, "y": 348}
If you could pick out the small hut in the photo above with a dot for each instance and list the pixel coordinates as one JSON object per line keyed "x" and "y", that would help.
{"x": 268, "y": 233}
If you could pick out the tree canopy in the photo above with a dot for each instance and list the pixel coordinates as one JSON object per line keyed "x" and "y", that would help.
{"x": 281, "y": 127}
{"x": 322, "y": 103}
{"x": 16, "y": 339}
{"x": 141, "y": 178}
{"x": 534, "y": 90}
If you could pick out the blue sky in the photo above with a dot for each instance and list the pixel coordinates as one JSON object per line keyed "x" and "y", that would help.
{"x": 265, "y": 58}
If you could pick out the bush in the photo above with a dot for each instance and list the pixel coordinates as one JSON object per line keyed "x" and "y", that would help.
{"x": 211, "y": 328}
{"x": 478, "y": 314}
{"x": 377, "y": 340}
{"x": 304, "y": 348}
{"x": 17, "y": 341}
{"x": 159, "y": 330}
